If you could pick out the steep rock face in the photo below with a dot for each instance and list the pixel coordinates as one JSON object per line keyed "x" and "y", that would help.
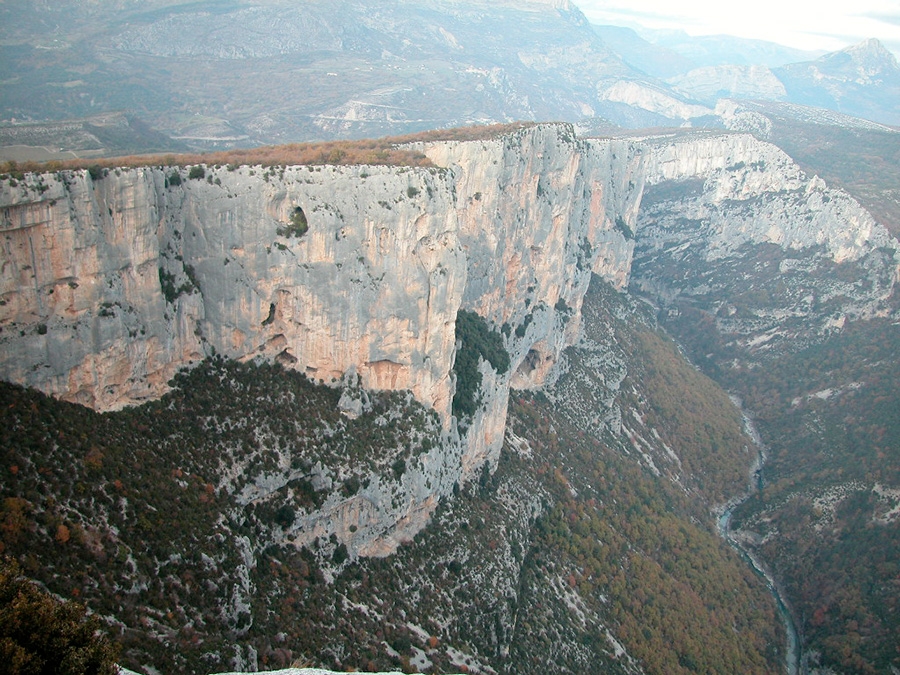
{"x": 148, "y": 262}
{"x": 784, "y": 206}
{"x": 112, "y": 284}
{"x": 81, "y": 301}
{"x": 109, "y": 285}
{"x": 718, "y": 208}
{"x": 537, "y": 213}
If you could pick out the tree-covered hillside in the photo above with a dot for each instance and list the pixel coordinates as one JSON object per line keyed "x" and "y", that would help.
{"x": 827, "y": 519}
{"x": 590, "y": 548}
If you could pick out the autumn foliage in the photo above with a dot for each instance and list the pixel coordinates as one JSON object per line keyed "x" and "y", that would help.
{"x": 388, "y": 151}
{"x": 41, "y": 635}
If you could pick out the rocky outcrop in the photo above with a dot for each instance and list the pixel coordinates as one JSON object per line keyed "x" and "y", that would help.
{"x": 753, "y": 192}
{"x": 653, "y": 98}
{"x": 710, "y": 83}
{"x": 112, "y": 283}
{"x": 714, "y": 202}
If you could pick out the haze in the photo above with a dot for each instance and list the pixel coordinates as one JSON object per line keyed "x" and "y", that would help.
{"x": 809, "y": 25}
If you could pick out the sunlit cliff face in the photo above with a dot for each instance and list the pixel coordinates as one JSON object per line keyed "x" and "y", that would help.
{"x": 110, "y": 285}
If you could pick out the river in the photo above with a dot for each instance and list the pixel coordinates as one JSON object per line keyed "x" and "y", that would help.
{"x": 723, "y": 523}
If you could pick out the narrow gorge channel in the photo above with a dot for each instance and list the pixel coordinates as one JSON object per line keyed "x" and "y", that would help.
{"x": 723, "y": 524}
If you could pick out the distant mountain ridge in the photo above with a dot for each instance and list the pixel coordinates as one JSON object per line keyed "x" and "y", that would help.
{"x": 862, "y": 80}
{"x": 277, "y": 72}
{"x": 247, "y": 72}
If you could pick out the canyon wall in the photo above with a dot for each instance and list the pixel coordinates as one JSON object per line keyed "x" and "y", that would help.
{"x": 777, "y": 257}
{"x": 779, "y": 203}
{"x": 109, "y": 284}
{"x": 112, "y": 283}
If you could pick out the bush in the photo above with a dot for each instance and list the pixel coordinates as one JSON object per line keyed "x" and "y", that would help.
{"x": 174, "y": 178}
{"x": 197, "y": 172}
{"x": 41, "y": 635}
{"x": 477, "y": 341}
{"x": 297, "y": 227}
{"x": 622, "y": 227}
{"x": 285, "y": 516}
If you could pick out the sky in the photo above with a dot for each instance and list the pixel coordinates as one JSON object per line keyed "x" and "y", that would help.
{"x": 825, "y": 25}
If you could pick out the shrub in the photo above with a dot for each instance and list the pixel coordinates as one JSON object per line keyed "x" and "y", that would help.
{"x": 197, "y": 172}
{"x": 522, "y": 328}
{"x": 476, "y": 341}
{"x": 41, "y": 635}
{"x": 172, "y": 292}
{"x": 340, "y": 554}
{"x": 622, "y": 227}
{"x": 174, "y": 178}
{"x": 285, "y": 516}
{"x": 297, "y": 227}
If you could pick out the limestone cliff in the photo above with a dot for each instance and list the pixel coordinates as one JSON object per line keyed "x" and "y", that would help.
{"x": 783, "y": 206}
{"x": 536, "y": 213}
{"x": 109, "y": 284}
{"x": 782, "y": 258}
{"x": 112, "y": 285}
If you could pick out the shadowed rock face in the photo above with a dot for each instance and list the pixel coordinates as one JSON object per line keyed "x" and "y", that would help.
{"x": 109, "y": 286}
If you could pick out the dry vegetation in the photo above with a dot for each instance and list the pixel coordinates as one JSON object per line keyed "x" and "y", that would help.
{"x": 139, "y": 514}
{"x": 388, "y": 151}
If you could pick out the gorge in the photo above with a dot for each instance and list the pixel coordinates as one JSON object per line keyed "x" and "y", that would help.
{"x": 112, "y": 283}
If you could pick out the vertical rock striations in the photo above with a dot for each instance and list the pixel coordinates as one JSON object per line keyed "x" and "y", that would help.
{"x": 112, "y": 283}
{"x": 109, "y": 284}
{"x": 537, "y": 212}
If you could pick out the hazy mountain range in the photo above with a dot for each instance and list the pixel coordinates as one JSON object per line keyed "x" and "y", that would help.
{"x": 244, "y": 72}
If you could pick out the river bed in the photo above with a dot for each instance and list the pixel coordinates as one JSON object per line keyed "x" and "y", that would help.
{"x": 723, "y": 524}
